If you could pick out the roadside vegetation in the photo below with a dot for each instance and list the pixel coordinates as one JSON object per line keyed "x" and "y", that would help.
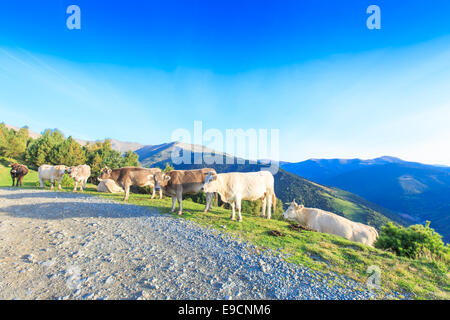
{"x": 424, "y": 277}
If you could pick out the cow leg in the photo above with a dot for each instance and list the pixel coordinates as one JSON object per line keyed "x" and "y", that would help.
{"x": 59, "y": 182}
{"x": 75, "y": 186}
{"x": 153, "y": 193}
{"x": 13, "y": 179}
{"x": 263, "y": 206}
{"x": 233, "y": 213}
{"x": 269, "y": 206}
{"x": 81, "y": 186}
{"x": 208, "y": 202}
{"x": 160, "y": 193}
{"x": 180, "y": 201}
{"x": 127, "y": 192}
{"x": 19, "y": 181}
{"x": 174, "y": 199}
{"x": 41, "y": 183}
{"x": 52, "y": 181}
{"x": 238, "y": 205}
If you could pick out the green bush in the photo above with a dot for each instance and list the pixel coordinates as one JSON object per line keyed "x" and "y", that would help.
{"x": 413, "y": 242}
{"x": 66, "y": 182}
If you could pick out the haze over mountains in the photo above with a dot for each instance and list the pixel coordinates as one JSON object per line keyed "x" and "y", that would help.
{"x": 415, "y": 191}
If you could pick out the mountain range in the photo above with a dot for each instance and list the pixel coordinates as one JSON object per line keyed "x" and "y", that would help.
{"x": 414, "y": 191}
{"x": 372, "y": 191}
{"x": 288, "y": 186}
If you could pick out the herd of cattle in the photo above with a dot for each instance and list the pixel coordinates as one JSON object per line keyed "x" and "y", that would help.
{"x": 232, "y": 188}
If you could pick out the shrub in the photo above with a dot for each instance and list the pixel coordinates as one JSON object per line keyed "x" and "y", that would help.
{"x": 413, "y": 242}
{"x": 66, "y": 182}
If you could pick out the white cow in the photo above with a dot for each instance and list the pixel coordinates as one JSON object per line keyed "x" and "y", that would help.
{"x": 80, "y": 174}
{"x": 52, "y": 173}
{"x": 110, "y": 186}
{"x": 327, "y": 222}
{"x": 234, "y": 187}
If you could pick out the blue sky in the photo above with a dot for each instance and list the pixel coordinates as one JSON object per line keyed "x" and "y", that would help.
{"x": 138, "y": 70}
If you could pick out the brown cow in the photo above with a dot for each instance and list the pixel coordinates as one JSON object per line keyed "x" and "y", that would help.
{"x": 18, "y": 171}
{"x": 175, "y": 183}
{"x": 129, "y": 176}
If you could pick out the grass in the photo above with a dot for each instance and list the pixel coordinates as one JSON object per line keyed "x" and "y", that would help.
{"x": 423, "y": 278}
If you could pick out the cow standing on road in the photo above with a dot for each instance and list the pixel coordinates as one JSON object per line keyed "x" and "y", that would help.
{"x": 234, "y": 187}
{"x": 18, "y": 171}
{"x": 79, "y": 174}
{"x": 130, "y": 176}
{"x": 175, "y": 183}
{"x": 52, "y": 173}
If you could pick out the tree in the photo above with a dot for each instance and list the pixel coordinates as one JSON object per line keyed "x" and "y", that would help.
{"x": 168, "y": 168}
{"x": 69, "y": 153}
{"x": 13, "y": 143}
{"x": 101, "y": 154}
{"x": 39, "y": 151}
{"x": 130, "y": 159}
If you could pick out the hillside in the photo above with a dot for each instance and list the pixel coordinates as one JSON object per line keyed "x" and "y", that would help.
{"x": 287, "y": 186}
{"x": 327, "y": 254}
{"x": 415, "y": 191}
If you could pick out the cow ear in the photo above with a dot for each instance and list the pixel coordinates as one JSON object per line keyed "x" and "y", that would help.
{"x": 167, "y": 178}
{"x": 214, "y": 177}
{"x": 10, "y": 165}
{"x": 108, "y": 170}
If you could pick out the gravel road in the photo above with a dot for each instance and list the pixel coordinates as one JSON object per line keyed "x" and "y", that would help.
{"x": 59, "y": 245}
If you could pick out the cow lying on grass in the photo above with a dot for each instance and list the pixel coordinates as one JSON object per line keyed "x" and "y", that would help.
{"x": 327, "y": 222}
{"x": 109, "y": 186}
{"x": 234, "y": 187}
{"x": 18, "y": 171}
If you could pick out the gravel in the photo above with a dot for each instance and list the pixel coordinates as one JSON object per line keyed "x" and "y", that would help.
{"x": 59, "y": 245}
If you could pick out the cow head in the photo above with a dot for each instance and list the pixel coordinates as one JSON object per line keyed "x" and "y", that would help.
{"x": 292, "y": 211}
{"x": 73, "y": 171}
{"x": 105, "y": 173}
{"x": 14, "y": 167}
{"x": 61, "y": 169}
{"x": 160, "y": 179}
{"x": 209, "y": 185}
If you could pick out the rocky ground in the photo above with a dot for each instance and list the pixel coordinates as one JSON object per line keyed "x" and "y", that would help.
{"x": 58, "y": 245}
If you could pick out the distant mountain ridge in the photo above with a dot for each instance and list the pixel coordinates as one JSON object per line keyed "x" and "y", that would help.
{"x": 415, "y": 191}
{"x": 288, "y": 186}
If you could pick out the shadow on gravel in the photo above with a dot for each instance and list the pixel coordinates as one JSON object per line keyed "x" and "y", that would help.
{"x": 40, "y": 193}
{"x": 63, "y": 210}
